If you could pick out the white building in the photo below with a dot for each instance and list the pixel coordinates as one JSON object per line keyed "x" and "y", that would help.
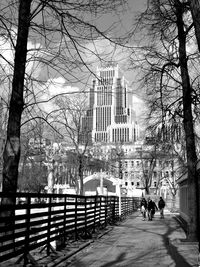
{"x": 111, "y": 117}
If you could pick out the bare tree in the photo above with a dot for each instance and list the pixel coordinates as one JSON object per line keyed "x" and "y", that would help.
{"x": 170, "y": 144}
{"x": 69, "y": 117}
{"x": 63, "y": 32}
{"x": 171, "y": 69}
{"x": 32, "y": 171}
{"x": 116, "y": 160}
{"x": 148, "y": 163}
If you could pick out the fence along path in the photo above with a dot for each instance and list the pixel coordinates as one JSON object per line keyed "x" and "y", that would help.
{"x": 46, "y": 218}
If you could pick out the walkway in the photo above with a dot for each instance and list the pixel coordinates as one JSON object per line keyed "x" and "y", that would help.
{"x": 132, "y": 243}
{"x": 136, "y": 243}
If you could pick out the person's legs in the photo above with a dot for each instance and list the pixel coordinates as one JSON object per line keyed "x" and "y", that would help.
{"x": 143, "y": 215}
{"x": 149, "y": 215}
{"x": 162, "y": 213}
{"x": 153, "y": 213}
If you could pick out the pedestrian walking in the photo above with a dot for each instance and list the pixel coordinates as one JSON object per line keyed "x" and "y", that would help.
{"x": 151, "y": 207}
{"x": 154, "y": 209}
{"x": 161, "y": 206}
{"x": 143, "y": 208}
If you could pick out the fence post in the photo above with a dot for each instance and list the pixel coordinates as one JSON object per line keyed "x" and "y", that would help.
{"x": 27, "y": 237}
{"x": 129, "y": 205}
{"x": 113, "y": 210}
{"x": 64, "y": 222}
{"x": 120, "y": 202}
{"x": 95, "y": 210}
{"x": 132, "y": 202}
{"x": 125, "y": 207}
{"x": 85, "y": 217}
{"x": 75, "y": 217}
{"x": 106, "y": 210}
{"x": 49, "y": 226}
{"x": 100, "y": 212}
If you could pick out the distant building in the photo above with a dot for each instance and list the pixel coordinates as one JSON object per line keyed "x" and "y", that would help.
{"x": 156, "y": 168}
{"x": 111, "y": 117}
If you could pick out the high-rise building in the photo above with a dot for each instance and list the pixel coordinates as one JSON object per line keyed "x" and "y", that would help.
{"x": 111, "y": 116}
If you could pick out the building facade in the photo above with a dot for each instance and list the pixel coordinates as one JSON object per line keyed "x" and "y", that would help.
{"x": 142, "y": 167}
{"x": 111, "y": 116}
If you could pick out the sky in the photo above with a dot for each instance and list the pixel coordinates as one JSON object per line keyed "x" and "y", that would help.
{"x": 58, "y": 84}
{"x": 132, "y": 9}
{"x": 127, "y": 19}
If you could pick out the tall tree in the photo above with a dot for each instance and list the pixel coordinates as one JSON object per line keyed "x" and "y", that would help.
{"x": 11, "y": 153}
{"x": 171, "y": 71}
{"x": 193, "y": 187}
{"x": 64, "y": 33}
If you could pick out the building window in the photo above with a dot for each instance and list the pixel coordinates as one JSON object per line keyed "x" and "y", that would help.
{"x": 138, "y": 163}
{"x": 155, "y": 184}
{"x": 132, "y": 163}
{"x": 132, "y": 183}
{"x": 126, "y": 183}
{"x": 138, "y": 184}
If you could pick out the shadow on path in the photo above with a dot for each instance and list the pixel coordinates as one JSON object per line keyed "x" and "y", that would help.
{"x": 161, "y": 231}
{"x": 119, "y": 259}
{"x": 171, "y": 249}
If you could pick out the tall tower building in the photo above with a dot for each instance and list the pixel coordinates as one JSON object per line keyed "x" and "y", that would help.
{"x": 112, "y": 118}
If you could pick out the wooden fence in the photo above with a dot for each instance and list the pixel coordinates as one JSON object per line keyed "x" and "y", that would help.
{"x": 42, "y": 219}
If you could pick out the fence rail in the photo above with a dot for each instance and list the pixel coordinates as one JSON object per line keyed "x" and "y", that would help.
{"x": 42, "y": 219}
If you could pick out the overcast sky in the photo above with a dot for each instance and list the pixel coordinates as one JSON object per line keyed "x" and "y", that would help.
{"x": 126, "y": 24}
{"x": 59, "y": 85}
{"x": 127, "y": 20}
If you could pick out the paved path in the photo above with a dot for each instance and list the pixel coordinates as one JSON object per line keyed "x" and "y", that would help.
{"x": 132, "y": 243}
{"x": 136, "y": 243}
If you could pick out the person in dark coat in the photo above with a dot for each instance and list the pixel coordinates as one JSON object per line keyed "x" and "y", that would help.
{"x": 151, "y": 207}
{"x": 143, "y": 208}
{"x": 161, "y": 205}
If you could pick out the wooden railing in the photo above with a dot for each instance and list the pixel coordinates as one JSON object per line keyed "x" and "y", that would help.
{"x": 46, "y": 218}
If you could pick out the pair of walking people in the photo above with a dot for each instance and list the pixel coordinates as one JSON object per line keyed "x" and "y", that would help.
{"x": 149, "y": 207}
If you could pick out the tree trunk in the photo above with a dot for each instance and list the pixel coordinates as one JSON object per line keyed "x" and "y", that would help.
{"x": 188, "y": 127}
{"x": 11, "y": 153}
{"x": 80, "y": 172}
{"x": 173, "y": 206}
